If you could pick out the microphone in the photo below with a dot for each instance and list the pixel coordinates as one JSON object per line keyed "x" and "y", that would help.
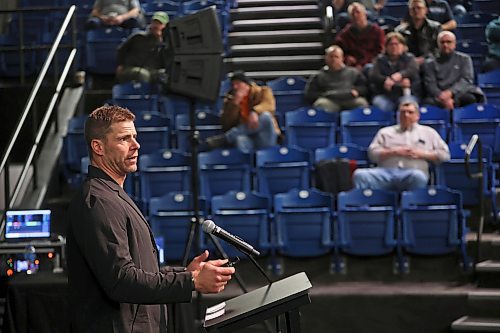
{"x": 211, "y": 228}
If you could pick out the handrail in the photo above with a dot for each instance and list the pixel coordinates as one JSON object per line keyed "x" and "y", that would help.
{"x": 26, "y": 111}
{"x": 476, "y": 140}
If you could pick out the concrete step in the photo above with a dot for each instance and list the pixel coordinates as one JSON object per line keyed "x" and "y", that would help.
{"x": 256, "y": 3}
{"x": 264, "y": 63}
{"x": 271, "y": 75}
{"x": 313, "y": 48}
{"x": 268, "y": 12}
{"x": 476, "y": 324}
{"x": 484, "y": 303}
{"x": 488, "y": 274}
{"x": 277, "y": 24}
{"x": 289, "y": 36}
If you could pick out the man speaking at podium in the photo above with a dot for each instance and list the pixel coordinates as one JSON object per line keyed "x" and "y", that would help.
{"x": 115, "y": 280}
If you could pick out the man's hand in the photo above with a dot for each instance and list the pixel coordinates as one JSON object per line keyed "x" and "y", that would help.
{"x": 210, "y": 276}
{"x": 253, "y": 120}
{"x": 241, "y": 93}
{"x": 396, "y": 77}
{"x": 388, "y": 83}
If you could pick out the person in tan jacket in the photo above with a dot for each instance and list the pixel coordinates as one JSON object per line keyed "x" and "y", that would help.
{"x": 247, "y": 117}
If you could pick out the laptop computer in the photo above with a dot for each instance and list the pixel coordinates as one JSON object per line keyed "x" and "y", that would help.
{"x": 27, "y": 225}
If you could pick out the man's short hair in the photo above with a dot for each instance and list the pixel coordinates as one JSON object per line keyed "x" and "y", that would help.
{"x": 100, "y": 120}
{"x": 396, "y": 35}
{"x": 411, "y": 2}
{"x": 356, "y": 4}
{"x": 409, "y": 100}
{"x": 334, "y": 48}
{"x": 446, "y": 33}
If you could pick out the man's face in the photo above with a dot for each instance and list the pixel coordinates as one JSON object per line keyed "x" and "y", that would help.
{"x": 395, "y": 48}
{"x": 418, "y": 11}
{"x": 156, "y": 28}
{"x": 120, "y": 149}
{"x": 240, "y": 86}
{"x": 408, "y": 115}
{"x": 358, "y": 16}
{"x": 335, "y": 59}
{"x": 447, "y": 44}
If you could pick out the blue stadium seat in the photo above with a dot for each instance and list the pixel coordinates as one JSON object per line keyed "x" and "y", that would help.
{"x": 395, "y": 9}
{"x": 133, "y": 88}
{"x": 152, "y": 131}
{"x": 310, "y": 128}
{"x": 347, "y": 151}
{"x": 489, "y": 82}
{"x": 288, "y": 92}
{"x": 280, "y": 169}
{"x": 207, "y": 124}
{"x": 476, "y": 49}
{"x": 224, "y": 170}
{"x": 471, "y": 25}
{"x": 137, "y": 103}
{"x": 367, "y": 222}
{"x": 433, "y": 223}
{"x": 74, "y": 149}
{"x": 101, "y": 48}
{"x": 360, "y": 125}
{"x": 481, "y": 119}
{"x": 170, "y": 217}
{"x": 162, "y": 172}
{"x": 437, "y": 118}
{"x": 172, "y": 8}
{"x": 303, "y": 220}
{"x": 452, "y": 174}
{"x": 246, "y": 215}
{"x": 11, "y": 64}
{"x": 486, "y": 6}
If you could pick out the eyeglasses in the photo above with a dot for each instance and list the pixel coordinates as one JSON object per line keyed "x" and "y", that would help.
{"x": 446, "y": 41}
{"x": 417, "y": 7}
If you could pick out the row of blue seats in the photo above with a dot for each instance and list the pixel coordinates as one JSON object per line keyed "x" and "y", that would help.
{"x": 304, "y": 223}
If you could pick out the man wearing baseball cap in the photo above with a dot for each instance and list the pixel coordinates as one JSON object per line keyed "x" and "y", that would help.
{"x": 145, "y": 54}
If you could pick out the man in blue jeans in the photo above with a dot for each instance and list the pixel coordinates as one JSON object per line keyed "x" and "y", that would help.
{"x": 402, "y": 153}
{"x": 247, "y": 117}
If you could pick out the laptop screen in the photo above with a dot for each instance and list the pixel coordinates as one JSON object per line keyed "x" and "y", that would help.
{"x": 27, "y": 224}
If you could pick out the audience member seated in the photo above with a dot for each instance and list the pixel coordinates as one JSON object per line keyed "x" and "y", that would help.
{"x": 360, "y": 40}
{"x": 402, "y": 153}
{"x": 123, "y": 13}
{"x": 144, "y": 55}
{"x": 492, "y": 60}
{"x": 394, "y": 74}
{"x": 440, "y": 11}
{"x": 449, "y": 78}
{"x": 247, "y": 117}
{"x": 373, "y": 8}
{"x": 420, "y": 32}
{"x": 336, "y": 87}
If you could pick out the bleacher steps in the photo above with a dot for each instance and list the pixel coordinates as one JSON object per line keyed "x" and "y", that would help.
{"x": 476, "y": 324}
{"x": 488, "y": 272}
{"x": 309, "y": 48}
{"x": 275, "y": 24}
{"x": 275, "y": 12}
{"x": 273, "y": 63}
{"x": 290, "y": 36}
{"x": 263, "y": 3}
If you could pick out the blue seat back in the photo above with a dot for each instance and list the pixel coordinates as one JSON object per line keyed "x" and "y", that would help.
{"x": 432, "y": 221}
{"x": 132, "y": 88}
{"x": 310, "y": 128}
{"x": 207, "y": 124}
{"x": 101, "y": 49}
{"x": 347, "y": 151}
{"x": 288, "y": 92}
{"x": 224, "y": 170}
{"x": 162, "y": 172}
{"x": 244, "y": 214}
{"x": 360, "y": 125}
{"x": 437, "y": 118}
{"x": 152, "y": 131}
{"x": 279, "y": 169}
{"x": 170, "y": 217}
{"x": 367, "y": 222}
{"x": 304, "y": 222}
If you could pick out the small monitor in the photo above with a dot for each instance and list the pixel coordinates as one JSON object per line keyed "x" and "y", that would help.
{"x": 27, "y": 224}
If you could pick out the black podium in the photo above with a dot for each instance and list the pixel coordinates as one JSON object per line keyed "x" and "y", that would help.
{"x": 281, "y": 297}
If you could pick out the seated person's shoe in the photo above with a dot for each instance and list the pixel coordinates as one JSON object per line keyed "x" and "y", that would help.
{"x": 217, "y": 141}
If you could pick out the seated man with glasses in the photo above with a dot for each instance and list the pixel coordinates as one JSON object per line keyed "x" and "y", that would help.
{"x": 402, "y": 153}
{"x": 449, "y": 78}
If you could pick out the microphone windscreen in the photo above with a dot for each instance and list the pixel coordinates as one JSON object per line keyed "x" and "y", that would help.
{"x": 208, "y": 226}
